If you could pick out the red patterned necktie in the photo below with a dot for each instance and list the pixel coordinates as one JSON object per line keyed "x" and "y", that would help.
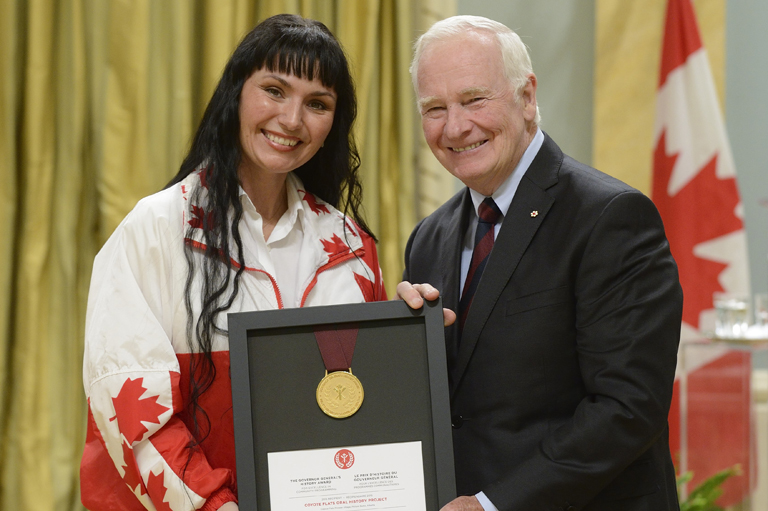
{"x": 488, "y": 215}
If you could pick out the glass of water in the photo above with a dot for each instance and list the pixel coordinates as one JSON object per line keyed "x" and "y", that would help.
{"x": 761, "y": 312}
{"x": 732, "y": 315}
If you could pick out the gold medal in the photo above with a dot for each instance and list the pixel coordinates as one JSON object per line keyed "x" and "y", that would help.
{"x": 339, "y": 394}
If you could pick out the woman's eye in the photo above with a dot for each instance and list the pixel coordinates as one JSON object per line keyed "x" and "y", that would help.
{"x": 317, "y": 105}
{"x": 273, "y": 91}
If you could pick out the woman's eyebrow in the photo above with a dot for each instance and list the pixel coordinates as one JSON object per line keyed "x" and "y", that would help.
{"x": 287, "y": 85}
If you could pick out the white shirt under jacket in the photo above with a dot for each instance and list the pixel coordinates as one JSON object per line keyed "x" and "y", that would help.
{"x": 136, "y": 363}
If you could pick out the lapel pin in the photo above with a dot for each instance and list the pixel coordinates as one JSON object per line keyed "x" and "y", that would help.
{"x": 534, "y": 213}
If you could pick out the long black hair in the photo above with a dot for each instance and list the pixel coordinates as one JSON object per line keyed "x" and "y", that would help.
{"x": 287, "y": 44}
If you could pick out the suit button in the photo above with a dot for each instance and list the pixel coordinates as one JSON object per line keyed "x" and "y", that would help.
{"x": 457, "y": 421}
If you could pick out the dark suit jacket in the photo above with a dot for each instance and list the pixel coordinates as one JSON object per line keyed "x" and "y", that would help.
{"x": 562, "y": 380}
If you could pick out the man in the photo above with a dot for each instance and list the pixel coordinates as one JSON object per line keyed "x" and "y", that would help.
{"x": 562, "y": 359}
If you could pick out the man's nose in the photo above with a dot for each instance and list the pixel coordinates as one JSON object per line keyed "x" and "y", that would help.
{"x": 457, "y": 122}
{"x": 290, "y": 118}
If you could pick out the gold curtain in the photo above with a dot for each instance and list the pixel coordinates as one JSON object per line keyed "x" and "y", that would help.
{"x": 98, "y": 102}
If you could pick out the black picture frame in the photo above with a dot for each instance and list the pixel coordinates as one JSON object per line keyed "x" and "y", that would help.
{"x": 275, "y": 366}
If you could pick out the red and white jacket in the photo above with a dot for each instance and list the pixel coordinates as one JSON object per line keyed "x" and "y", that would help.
{"x": 135, "y": 368}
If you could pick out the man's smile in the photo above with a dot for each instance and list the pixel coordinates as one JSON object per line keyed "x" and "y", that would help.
{"x": 469, "y": 147}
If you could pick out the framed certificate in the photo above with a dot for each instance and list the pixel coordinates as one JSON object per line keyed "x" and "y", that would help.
{"x": 294, "y": 451}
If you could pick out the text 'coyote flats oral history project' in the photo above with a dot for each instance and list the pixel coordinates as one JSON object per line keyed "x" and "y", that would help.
{"x": 369, "y": 477}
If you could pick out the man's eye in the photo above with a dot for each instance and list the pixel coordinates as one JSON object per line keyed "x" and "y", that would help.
{"x": 434, "y": 109}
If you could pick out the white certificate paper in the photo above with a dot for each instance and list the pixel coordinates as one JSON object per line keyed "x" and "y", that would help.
{"x": 369, "y": 477}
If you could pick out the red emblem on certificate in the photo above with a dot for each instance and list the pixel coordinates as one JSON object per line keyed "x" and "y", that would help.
{"x": 344, "y": 459}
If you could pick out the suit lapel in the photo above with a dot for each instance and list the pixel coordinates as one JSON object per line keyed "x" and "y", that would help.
{"x": 450, "y": 262}
{"x": 526, "y": 213}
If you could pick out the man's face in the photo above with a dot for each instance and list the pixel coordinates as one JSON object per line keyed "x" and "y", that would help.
{"x": 472, "y": 120}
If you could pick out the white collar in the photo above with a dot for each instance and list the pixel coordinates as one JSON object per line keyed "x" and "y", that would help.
{"x": 506, "y": 192}
{"x": 288, "y": 220}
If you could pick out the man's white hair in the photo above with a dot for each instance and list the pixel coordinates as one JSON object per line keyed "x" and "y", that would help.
{"x": 514, "y": 53}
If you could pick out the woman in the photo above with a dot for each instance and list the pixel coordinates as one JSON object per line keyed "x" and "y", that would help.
{"x": 249, "y": 222}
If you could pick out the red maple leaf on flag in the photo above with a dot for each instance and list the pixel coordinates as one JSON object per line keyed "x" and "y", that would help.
{"x": 366, "y": 286}
{"x": 334, "y": 247}
{"x": 131, "y": 410}
{"x": 201, "y": 220}
{"x": 157, "y": 491}
{"x": 709, "y": 203}
{"x": 132, "y": 476}
{"x": 315, "y": 206}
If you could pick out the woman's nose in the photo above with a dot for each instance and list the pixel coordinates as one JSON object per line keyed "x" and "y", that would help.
{"x": 290, "y": 118}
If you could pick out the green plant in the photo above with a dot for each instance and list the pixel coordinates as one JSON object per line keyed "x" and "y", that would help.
{"x": 703, "y": 497}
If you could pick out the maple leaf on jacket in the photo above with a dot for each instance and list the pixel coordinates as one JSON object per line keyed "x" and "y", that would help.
{"x": 157, "y": 490}
{"x": 349, "y": 227}
{"x": 132, "y": 476}
{"x": 704, "y": 209}
{"x": 131, "y": 411}
{"x": 201, "y": 220}
{"x": 334, "y": 247}
{"x": 204, "y": 175}
{"x": 313, "y": 204}
{"x": 366, "y": 286}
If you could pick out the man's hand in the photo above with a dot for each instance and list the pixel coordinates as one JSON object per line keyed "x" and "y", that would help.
{"x": 414, "y": 295}
{"x": 463, "y": 504}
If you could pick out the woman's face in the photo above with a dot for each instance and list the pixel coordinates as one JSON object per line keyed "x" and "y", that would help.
{"x": 284, "y": 120}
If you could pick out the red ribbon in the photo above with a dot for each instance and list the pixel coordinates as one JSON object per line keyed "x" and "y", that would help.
{"x": 337, "y": 345}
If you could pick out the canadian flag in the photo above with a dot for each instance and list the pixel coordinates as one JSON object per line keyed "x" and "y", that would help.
{"x": 694, "y": 188}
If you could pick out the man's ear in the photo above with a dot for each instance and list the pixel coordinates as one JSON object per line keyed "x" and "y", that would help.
{"x": 528, "y": 98}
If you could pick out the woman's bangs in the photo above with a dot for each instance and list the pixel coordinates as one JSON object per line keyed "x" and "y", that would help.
{"x": 307, "y": 59}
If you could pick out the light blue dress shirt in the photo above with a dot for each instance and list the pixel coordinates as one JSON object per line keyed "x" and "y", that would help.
{"x": 502, "y": 197}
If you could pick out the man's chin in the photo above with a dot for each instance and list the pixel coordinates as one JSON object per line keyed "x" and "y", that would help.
{"x": 470, "y": 176}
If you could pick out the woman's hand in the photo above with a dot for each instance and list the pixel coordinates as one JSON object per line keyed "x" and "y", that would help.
{"x": 415, "y": 294}
{"x": 229, "y": 506}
